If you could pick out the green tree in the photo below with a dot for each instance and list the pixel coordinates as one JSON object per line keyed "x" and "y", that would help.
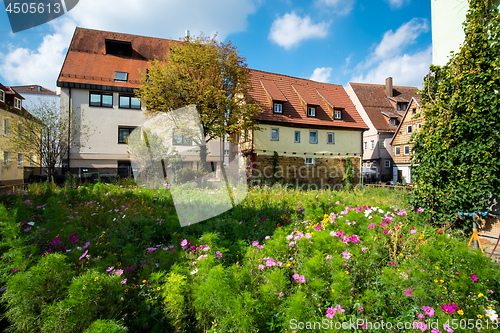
{"x": 458, "y": 148}
{"x": 208, "y": 74}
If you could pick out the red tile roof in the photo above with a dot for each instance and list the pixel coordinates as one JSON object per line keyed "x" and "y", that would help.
{"x": 87, "y": 62}
{"x": 378, "y": 106}
{"x": 9, "y": 102}
{"x": 293, "y": 111}
{"x": 33, "y": 89}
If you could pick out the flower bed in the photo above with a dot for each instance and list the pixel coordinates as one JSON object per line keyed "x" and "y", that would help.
{"x": 283, "y": 260}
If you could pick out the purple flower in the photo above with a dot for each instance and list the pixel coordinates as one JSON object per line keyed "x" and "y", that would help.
{"x": 354, "y": 239}
{"x": 110, "y": 269}
{"x": 83, "y": 255}
{"x": 372, "y": 225}
{"x": 409, "y": 292}
{"x": 56, "y": 241}
{"x": 86, "y": 245}
{"x": 219, "y": 255}
{"x": 473, "y": 277}
{"x": 73, "y": 238}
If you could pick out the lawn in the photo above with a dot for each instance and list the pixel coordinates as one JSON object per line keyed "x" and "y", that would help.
{"x": 114, "y": 258}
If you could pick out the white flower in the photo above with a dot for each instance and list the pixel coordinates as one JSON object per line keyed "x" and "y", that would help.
{"x": 194, "y": 272}
{"x": 31, "y": 223}
{"x": 492, "y": 315}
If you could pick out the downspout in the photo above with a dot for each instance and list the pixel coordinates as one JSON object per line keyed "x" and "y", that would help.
{"x": 69, "y": 126}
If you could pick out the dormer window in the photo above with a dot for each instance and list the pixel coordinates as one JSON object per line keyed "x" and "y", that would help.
{"x": 311, "y": 111}
{"x": 118, "y": 48}
{"x": 393, "y": 122}
{"x": 278, "y": 108}
{"x": 401, "y": 106}
{"x": 337, "y": 115}
{"x": 2, "y": 96}
{"x": 17, "y": 103}
{"x": 121, "y": 76}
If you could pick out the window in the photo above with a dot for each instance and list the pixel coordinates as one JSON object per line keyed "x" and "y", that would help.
{"x": 19, "y": 160}
{"x": 313, "y": 136}
{"x": 407, "y": 150}
{"x": 246, "y": 136}
{"x": 17, "y": 103}
{"x": 101, "y": 99}
{"x": 123, "y": 133}
{"x": 20, "y": 131}
{"x": 275, "y": 134}
{"x": 387, "y": 163}
{"x": 297, "y": 137}
{"x": 414, "y": 110}
{"x": 372, "y": 144}
{"x": 129, "y": 102}
{"x": 398, "y": 150}
{"x": 381, "y": 143}
{"x": 374, "y": 164}
{"x": 365, "y": 145}
{"x": 368, "y": 165}
{"x": 309, "y": 160}
{"x": 226, "y": 152}
{"x": 392, "y": 122}
{"x": 6, "y": 126}
{"x": 32, "y": 160}
{"x": 181, "y": 140}
{"x": 419, "y": 126}
{"x": 401, "y": 106}
{"x": 5, "y": 158}
{"x": 2, "y": 96}
{"x": 278, "y": 108}
{"x": 311, "y": 112}
{"x": 337, "y": 115}
{"x": 409, "y": 129}
{"x": 330, "y": 137}
{"x": 121, "y": 76}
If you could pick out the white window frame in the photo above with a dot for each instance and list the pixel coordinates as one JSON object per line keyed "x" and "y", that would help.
{"x": 374, "y": 164}
{"x": 409, "y": 129}
{"x": 278, "y": 108}
{"x": 405, "y": 147}
{"x": 332, "y": 135}
{"x": 20, "y": 158}
{"x": 6, "y": 126}
{"x": 337, "y": 114}
{"x": 397, "y": 150}
{"x": 317, "y": 135}
{"x": 277, "y": 131}
{"x": 311, "y": 111}
{"x": 387, "y": 163}
{"x": 381, "y": 143}
{"x": 295, "y": 137}
{"x": 2, "y": 96}
{"x": 309, "y": 160}
{"x": 365, "y": 145}
{"x": 392, "y": 122}
{"x": 121, "y": 76}
{"x": 5, "y": 158}
{"x": 17, "y": 103}
{"x": 372, "y": 144}
{"x": 368, "y": 164}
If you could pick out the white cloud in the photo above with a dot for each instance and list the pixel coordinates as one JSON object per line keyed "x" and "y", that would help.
{"x": 341, "y": 7}
{"x": 393, "y": 42}
{"x": 406, "y": 69}
{"x": 321, "y": 74}
{"x": 156, "y": 18}
{"x": 291, "y": 29}
{"x": 390, "y": 57}
{"x": 396, "y": 3}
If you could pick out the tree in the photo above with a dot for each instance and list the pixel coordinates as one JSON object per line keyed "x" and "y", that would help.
{"x": 48, "y": 137}
{"x": 458, "y": 149}
{"x": 208, "y": 74}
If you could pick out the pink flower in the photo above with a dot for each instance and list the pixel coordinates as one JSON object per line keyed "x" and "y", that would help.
{"x": 420, "y": 316}
{"x": 422, "y": 326}
{"x": 330, "y": 312}
{"x": 386, "y": 231}
{"x": 292, "y": 244}
{"x": 409, "y": 292}
{"x": 279, "y": 263}
{"x": 295, "y": 276}
{"x": 354, "y": 239}
{"x": 267, "y": 237}
{"x": 83, "y": 255}
{"x": 110, "y": 269}
{"x": 412, "y": 231}
{"x": 346, "y": 239}
{"x": 448, "y": 328}
{"x": 420, "y": 210}
{"x": 255, "y": 243}
{"x": 261, "y": 266}
{"x": 473, "y": 277}
{"x": 435, "y": 330}
{"x": 302, "y": 279}
{"x": 86, "y": 245}
{"x": 119, "y": 272}
{"x": 280, "y": 294}
{"x": 371, "y": 225}
{"x": 346, "y": 255}
{"x": 428, "y": 311}
{"x": 219, "y": 255}
{"x": 124, "y": 281}
{"x": 339, "y": 309}
{"x": 449, "y": 308}
{"x": 364, "y": 248}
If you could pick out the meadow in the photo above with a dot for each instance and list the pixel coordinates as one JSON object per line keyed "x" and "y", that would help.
{"x": 114, "y": 258}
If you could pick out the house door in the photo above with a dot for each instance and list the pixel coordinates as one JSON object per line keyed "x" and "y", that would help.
{"x": 400, "y": 176}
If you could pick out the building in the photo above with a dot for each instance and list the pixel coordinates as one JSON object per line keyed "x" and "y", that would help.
{"x": 382, "y": 108}
{"x": 12, "y": 119}
{"x": 402, "y": 142}
{"x": 36, "y": 96}
{"x": 307, "y": 130}
{"x": 447, "y": 31}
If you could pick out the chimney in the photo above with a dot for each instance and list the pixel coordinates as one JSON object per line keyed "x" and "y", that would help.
{"x": 388, "y": 87}
{"x": 187, "y": 34}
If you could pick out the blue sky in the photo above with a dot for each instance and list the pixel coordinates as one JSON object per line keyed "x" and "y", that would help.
{"x": 334, "y": 41}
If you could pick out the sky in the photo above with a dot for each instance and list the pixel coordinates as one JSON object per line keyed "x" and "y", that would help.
{"x": 333, "y": 41}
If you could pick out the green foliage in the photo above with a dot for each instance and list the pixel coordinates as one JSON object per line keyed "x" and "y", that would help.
{"x": 106, "y": 326}
{"x": 458, "y": 148}
{"x": 349, "y": 173}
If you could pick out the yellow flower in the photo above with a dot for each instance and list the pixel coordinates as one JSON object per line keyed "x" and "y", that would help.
{"x": 333, "y": 290}
{"x": 126, "y": 290}
{"x": 158, "y": 288}
{"x": 288, "y": 265}
{"x": 441, "y": 281}
{"x": 437, "y": 267}
{"x": 347, "y": 272}
{"x": 480, "y": 295}
{"x": 96, "y": 278}
{"x": 119, "y": 264}
{"x": 435, "y": 280}
{"x": 460, "y": 312}
{"x": 479, "y": 316}
{"x": 143, "y": 281}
